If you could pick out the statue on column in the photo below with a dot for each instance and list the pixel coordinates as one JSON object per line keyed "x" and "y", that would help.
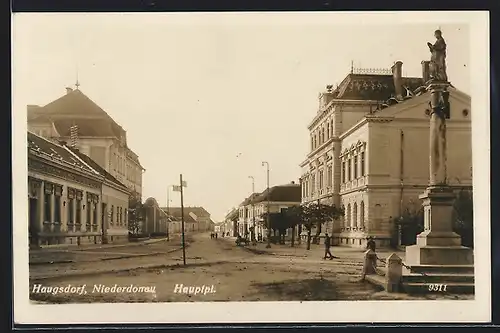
{"x": 437, "y": 64}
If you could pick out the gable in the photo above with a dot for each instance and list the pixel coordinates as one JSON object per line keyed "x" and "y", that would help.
{"x": 418, "y": 107}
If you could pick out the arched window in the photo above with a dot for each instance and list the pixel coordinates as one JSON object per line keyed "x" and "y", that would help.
{"x": 354, "y": 220}
{"x": 362, "y": 214}
{"x": 342, "y": 220}
{"x": 348, "y": 215}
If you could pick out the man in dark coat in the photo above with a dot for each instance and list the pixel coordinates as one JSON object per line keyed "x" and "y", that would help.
{"x": 328, "y": 254}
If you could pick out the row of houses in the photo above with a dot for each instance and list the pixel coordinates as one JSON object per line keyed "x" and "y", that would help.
{"x": 83, "y": 177}
{"x": 248, "y": 219}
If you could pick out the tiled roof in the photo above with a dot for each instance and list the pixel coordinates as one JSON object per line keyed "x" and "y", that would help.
{"x": 56, "y": 152}
{"x": 248, "y": 200}
{"x": 176, "y": 212}
{"x": 91, "y": 119}
{"x": 282, "y": 193}
{"x": 98, "y": 168}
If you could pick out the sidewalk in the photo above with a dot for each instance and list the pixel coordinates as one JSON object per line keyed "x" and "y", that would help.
{"x": 84, "y": 247}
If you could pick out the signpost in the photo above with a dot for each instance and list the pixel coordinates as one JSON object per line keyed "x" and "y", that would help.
{"x": 179, "y": 188}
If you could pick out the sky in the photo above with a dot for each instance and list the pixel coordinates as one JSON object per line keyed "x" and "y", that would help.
{"x": 211, "y": 96}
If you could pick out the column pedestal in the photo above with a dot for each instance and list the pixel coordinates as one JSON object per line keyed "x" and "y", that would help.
{"x": 438, "y": 245}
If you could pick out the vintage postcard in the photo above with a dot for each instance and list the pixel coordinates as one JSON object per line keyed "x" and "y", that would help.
{"x": 217, "y": 167}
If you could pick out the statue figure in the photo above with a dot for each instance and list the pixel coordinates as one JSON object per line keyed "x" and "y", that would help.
{"x": 437, "y": 64}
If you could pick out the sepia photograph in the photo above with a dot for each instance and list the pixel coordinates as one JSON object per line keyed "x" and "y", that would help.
{"x": 196, "y": 167}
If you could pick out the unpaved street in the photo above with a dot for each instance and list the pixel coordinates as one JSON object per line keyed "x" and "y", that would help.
{"x": 224, "y": 271}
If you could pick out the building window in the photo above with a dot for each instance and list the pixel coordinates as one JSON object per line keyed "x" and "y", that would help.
{"x": 71, "y": 213}
{"x": 355, "y": 166}
{"x": 349, "y": 170}
{"x": 88, "y": 214}
{"x": 48, "y": 207}
{"x": 313, "y": 184}
{"x": 330, "y": 176}
{"x": 328, "y": 131}
{"x": 363, "y": 171}
{"x": 321, "y": 183}
{"x": 348, "y": 215}
{"x": 343, "y": 171}
{"x": 362, "y": 214}
{"x": 112, "y": 214}
{"x": 78, "y": 211}
{"x": 57, "y": 207}
{"x": 95, "y": 213}
{"x": 354, "y": 215}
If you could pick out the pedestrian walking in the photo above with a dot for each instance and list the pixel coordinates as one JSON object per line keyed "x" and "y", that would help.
{"x": 216, "y": 235}
{"x": 370, "y": 244}
{"x": 328, "y": 254}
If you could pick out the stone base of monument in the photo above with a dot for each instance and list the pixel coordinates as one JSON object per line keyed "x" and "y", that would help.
{"x": 438, "y": 263}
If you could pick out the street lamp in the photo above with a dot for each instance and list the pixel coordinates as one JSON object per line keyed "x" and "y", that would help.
{"x": 268, "y": 211}
{"x": 253, "y": 208}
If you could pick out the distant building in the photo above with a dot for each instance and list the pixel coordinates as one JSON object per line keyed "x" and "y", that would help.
{"x": 68, "y": 197}
{"x": 370, "y": 151}
{"x": 231, "y": 222}
{"x": 252, "y": 209}
{"x": 79, "y": 121}
{"x": 196, "y": 219}
{"x": 155, "y": 219}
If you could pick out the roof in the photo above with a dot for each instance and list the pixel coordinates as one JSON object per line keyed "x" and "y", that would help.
{"x": 188, "y": 211}
{"x": 281, "y": 193}
{"x": 232, "y": 214}
{"x": 93, "y": 164}
{"x": 249, "y": 199}
{"x": 56, "y": 152}
{"x": 375, "y": 87}
{"x": 91, "y": 119}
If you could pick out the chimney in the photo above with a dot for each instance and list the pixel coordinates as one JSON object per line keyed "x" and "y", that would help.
{"x": 68, "y": 90}
{"x": 74, "y": 136}
{"x": 425, "y": 70}
{"x": 397, "y": 74}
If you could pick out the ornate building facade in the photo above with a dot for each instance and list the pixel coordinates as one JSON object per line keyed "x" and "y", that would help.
{"x": 95, "y": 134}
{"x": 66, "y": 204}
{"x": 370, "y": 151}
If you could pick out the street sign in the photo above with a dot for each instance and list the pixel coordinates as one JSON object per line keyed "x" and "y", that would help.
{"x": 176, "y": 188}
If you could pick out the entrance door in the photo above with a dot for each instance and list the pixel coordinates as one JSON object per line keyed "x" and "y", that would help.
{"x": 33, "y": 221}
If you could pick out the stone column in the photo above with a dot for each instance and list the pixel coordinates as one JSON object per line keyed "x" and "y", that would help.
{"x": 438, "y": 245}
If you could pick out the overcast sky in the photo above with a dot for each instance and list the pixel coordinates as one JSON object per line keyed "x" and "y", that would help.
{"x": 212, "y": 96}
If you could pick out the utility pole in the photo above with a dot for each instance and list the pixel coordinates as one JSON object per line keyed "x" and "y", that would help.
{"x": 179, "y": 188}
{"x": 268, "y": 210}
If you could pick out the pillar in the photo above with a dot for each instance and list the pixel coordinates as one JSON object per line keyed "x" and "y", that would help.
{"x": 438, "y": 245}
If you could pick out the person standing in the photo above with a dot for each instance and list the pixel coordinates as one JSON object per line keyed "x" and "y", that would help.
{"x": 328, "y": 254}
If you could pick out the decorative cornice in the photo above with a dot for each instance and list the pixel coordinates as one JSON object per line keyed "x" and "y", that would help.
{"x": 46, "y": 168}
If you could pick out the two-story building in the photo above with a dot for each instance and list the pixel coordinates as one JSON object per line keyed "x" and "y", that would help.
{"x": 74, "y": 115}
{"x": 370, "y": 150}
